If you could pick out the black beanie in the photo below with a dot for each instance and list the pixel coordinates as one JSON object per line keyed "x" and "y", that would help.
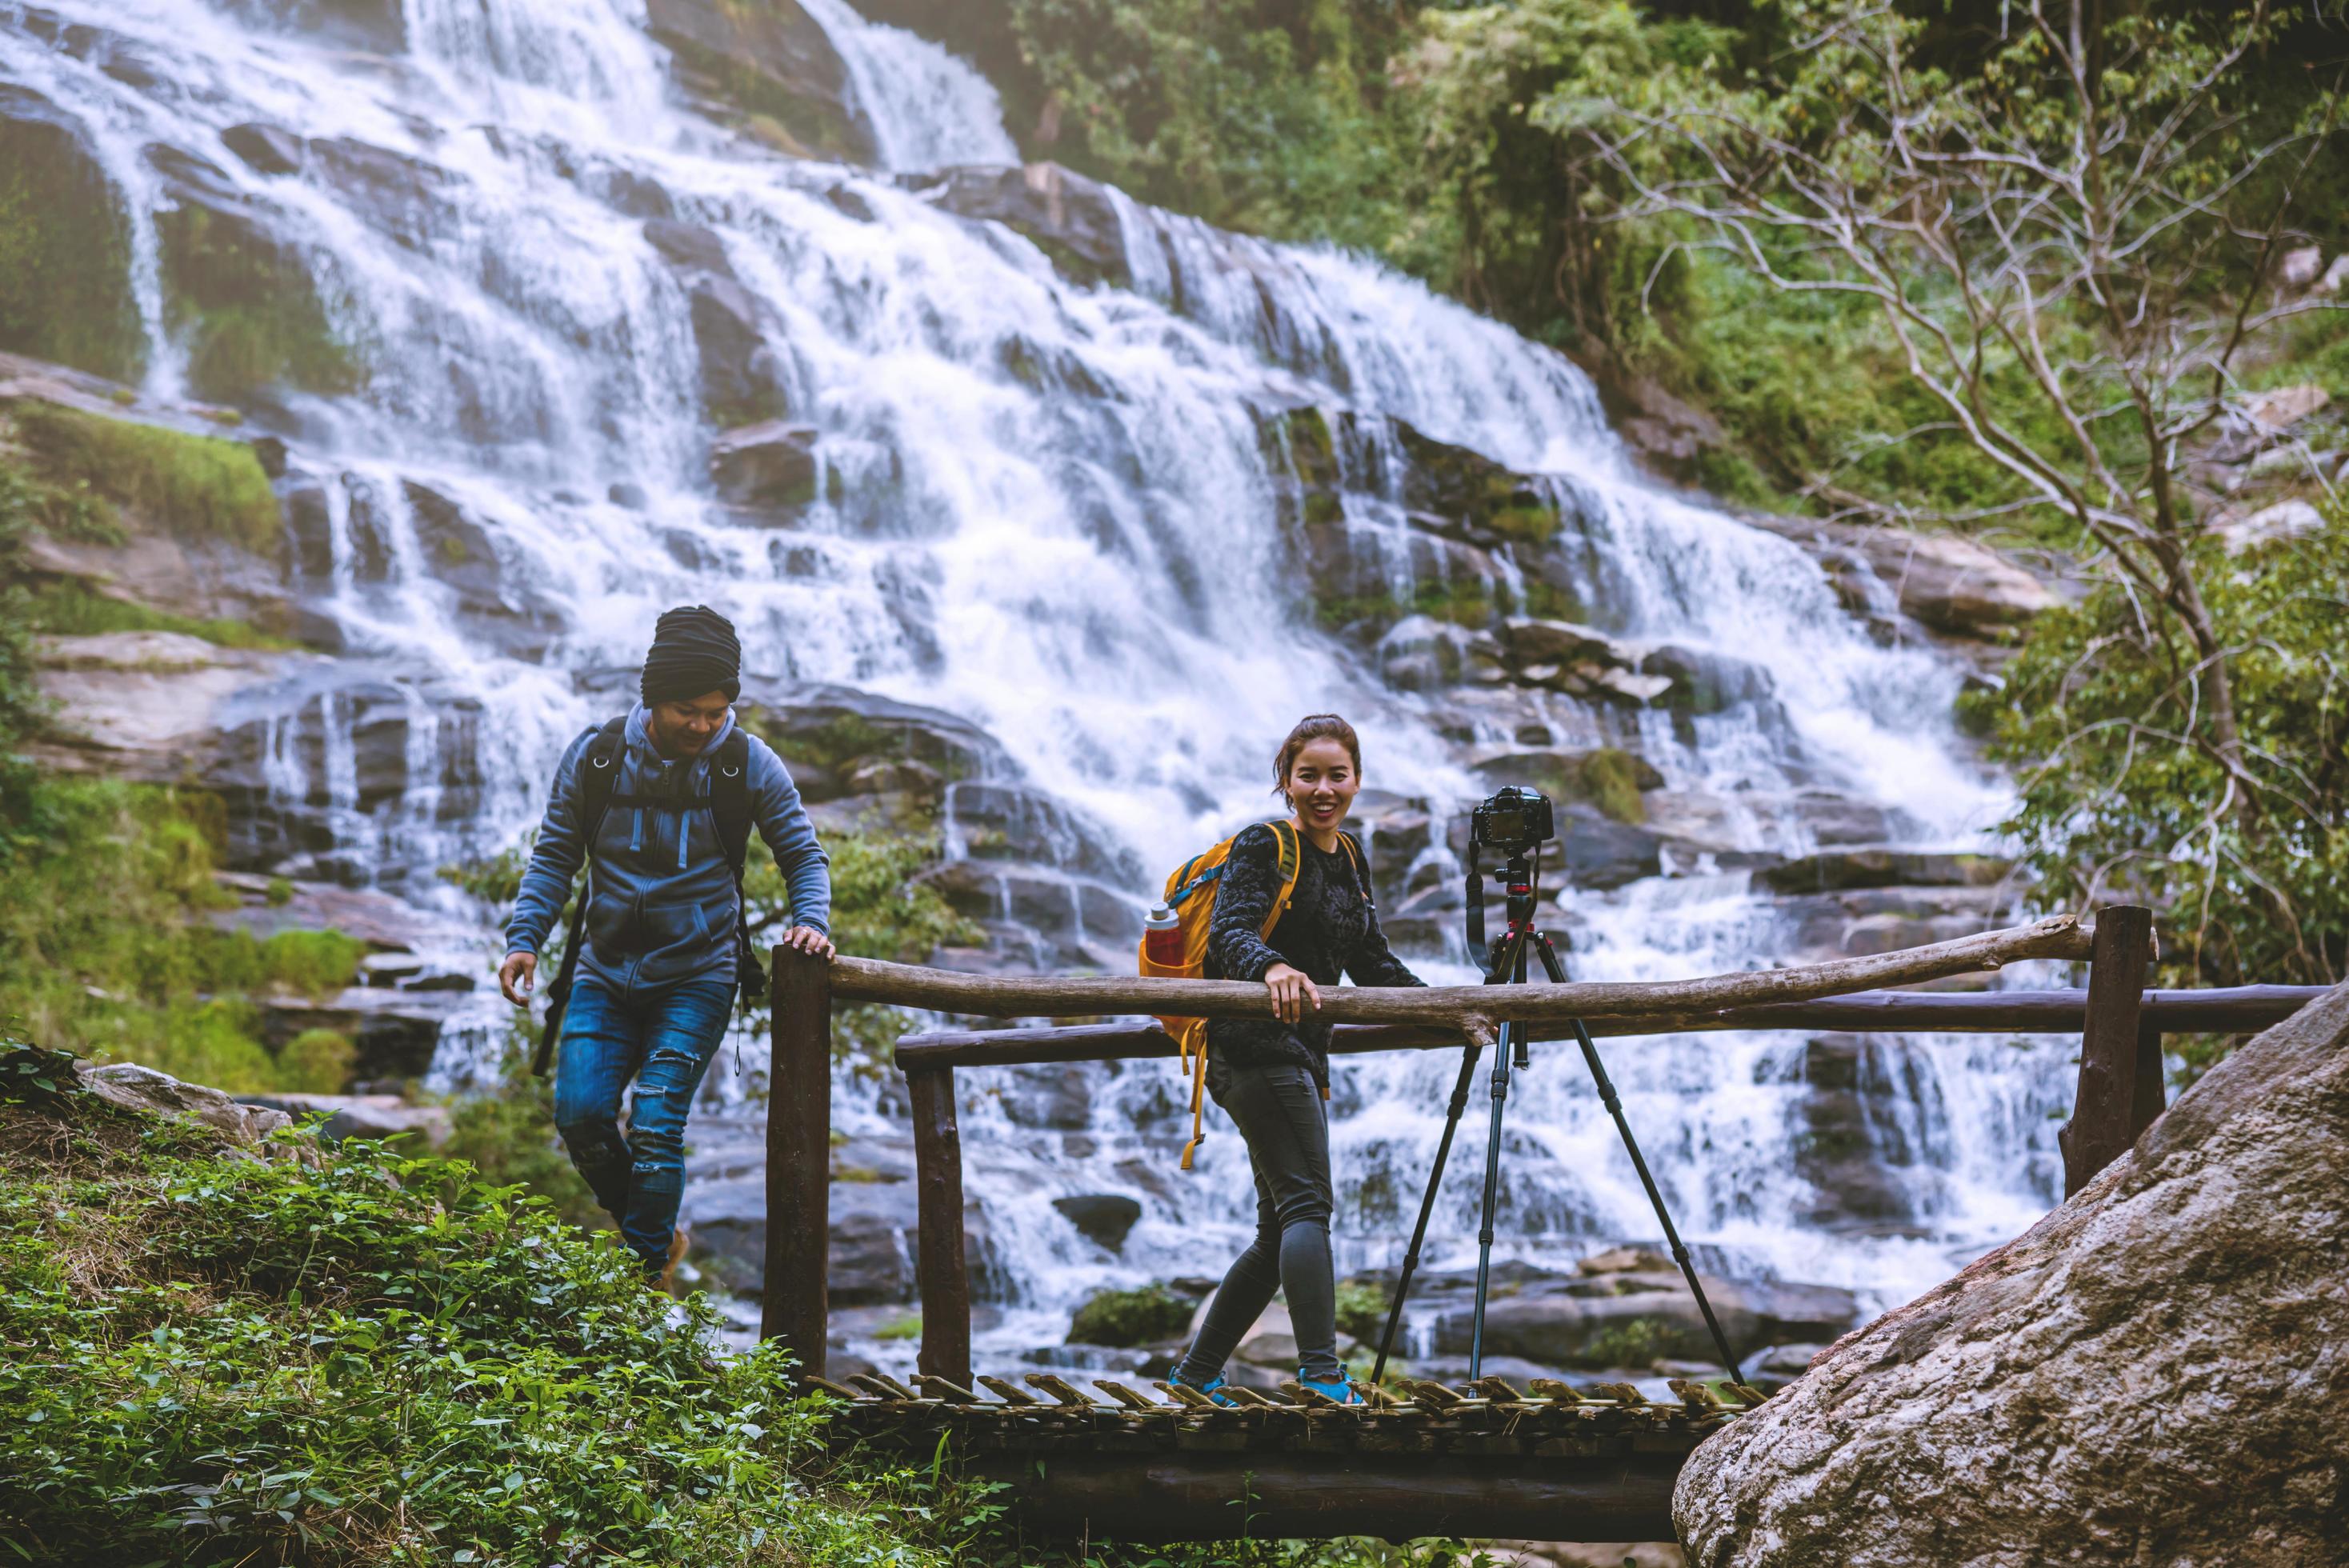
{"x": 694, "y": 652}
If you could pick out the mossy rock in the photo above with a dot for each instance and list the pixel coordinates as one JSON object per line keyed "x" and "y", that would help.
{"x": 247, "y": 308}
{"x": 1126, "y": 1318}
{"x": 772, "y": 61}
{"x": 65, "y": 247}
{"x": 73, "y": 610}
{"x": 195, "y": 488}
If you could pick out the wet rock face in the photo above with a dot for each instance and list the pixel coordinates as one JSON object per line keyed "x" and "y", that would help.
{"x": 65, "y": 295}
{"x": 768, "y": 65}
{"x": 377, "y": 25}
{"x": 1628, "y": 1308}
{"x": 741, "y": 378}
{"x": 1069, "y": 218}
{"x": 2150, "y": 1374}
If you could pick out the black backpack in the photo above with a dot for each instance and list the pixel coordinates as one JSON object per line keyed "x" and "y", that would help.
{"x": 730, "y": 806}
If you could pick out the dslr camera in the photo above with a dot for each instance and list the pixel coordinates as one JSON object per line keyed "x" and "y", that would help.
{"x": 1512, "y": 822}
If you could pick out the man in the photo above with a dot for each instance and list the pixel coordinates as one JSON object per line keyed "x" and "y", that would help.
{"x": 665, "y": 946}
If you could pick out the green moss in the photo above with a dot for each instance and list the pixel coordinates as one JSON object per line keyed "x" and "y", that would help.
{"x": 794, "y": 121}
{"x": 195, "y": 486}
{"x": 247, "y": 308}
{"x": 1634, "y": 1344}
{"x": 65, "y": 256}
{"x": 1323, "y": 507}
{"x": 909, "y": 1326}
{"x": 1524, "y": 521}
{"x": 72, "y": 610}
{"x": 1547, "y": 601}
{"x": 1125, "y": 1318}
{"x": 1610, "y": 781}
{"x": 1463, "y": 601}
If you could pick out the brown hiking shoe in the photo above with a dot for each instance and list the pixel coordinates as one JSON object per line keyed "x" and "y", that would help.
{"x": 679, "y": 1240}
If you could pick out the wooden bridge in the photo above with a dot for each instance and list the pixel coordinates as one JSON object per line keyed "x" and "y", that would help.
{"x": 1548, "y": 1462}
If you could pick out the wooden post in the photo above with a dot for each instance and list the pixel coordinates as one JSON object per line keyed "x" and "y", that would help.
{"x": 799, "y": 1160}
{"x": 2104, "y": 1109}
{"x": 940, "y": 1269}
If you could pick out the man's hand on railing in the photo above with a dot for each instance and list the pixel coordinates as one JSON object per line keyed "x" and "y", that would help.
{"x": 807, "y": 939}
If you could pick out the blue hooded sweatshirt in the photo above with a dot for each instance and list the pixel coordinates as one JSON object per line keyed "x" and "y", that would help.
{"x": 660, "y": 894}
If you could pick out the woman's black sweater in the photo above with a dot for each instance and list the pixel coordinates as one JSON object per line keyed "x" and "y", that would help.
{"x": 1330, "y": 926}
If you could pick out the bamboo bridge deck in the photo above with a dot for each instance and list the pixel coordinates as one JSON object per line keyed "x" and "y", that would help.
{"x": 1556, "y": 1462}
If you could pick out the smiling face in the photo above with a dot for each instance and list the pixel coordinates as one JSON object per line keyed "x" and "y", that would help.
{"x": 1321, "y": 784}
{"x": 683, "y": 728}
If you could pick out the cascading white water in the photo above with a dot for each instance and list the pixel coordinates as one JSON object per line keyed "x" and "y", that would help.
{"x": 1089, "y": 566}
{"x": 926, "y": 108}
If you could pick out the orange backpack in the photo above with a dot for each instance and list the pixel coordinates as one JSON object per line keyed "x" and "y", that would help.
{"x": 1190, "y": 890}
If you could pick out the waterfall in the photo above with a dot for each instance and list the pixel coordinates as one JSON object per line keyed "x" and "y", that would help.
{"x": 1088, "y": 561}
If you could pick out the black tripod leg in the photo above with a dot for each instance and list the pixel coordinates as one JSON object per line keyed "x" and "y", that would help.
{"x": 1427, "y": 1205}
{"x": 1501, "y": 1057}
{"x": 1503, "y": 958}
{"x": 1614, "y": 1104}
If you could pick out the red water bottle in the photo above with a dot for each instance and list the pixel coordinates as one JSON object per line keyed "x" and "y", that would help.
{"x": 1161, "y": 940}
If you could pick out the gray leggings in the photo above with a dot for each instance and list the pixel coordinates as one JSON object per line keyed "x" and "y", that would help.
{"x": 1279, "y": 1111}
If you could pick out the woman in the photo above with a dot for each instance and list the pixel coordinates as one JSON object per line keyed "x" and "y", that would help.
{"x": 1272, "y": 1076}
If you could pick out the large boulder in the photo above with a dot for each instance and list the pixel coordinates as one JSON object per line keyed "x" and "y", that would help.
{"x": 1951, "y": 583}
{"x": 2151, "y": 1374}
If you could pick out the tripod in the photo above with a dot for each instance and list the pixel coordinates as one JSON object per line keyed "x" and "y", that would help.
{"x": 1505, "y": 964}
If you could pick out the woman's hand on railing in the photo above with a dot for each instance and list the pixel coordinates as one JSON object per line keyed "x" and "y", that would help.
{"x": 1291, "y": 990}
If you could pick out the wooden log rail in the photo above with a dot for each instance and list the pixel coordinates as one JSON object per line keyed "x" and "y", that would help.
{"x": 2120, "y": 1090}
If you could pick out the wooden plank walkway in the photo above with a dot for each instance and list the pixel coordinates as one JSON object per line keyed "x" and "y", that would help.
{"x": 1554, "y": 1462}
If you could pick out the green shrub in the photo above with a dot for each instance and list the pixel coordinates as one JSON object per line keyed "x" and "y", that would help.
{"x": 105, "y": 944}
{"x": 315, "y": 1061}
{"x": 377, "y": 1361}
{"x": 507, "y": 1135}
{"x": 1361, "y": 1310}
{"x": 1125, "y": 1318}
{"x": 313, "y": 964}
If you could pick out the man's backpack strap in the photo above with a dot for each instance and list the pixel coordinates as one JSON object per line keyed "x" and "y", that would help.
{"x": 729, "y": 808}
{"x": 597, "y": 769}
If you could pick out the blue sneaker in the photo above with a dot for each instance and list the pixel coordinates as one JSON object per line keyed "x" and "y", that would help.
{"x": 1211, "y": 1388}
{"x": 1339, "y": 1392}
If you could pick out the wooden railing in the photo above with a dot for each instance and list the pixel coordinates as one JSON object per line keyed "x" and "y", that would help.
{"x": 2119, "y": 1094}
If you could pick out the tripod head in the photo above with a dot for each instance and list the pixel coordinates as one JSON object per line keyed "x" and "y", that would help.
{"x": 1514, "y": 824}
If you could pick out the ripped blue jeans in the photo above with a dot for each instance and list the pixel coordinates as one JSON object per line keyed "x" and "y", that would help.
{"x": 662, "y": 1039}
